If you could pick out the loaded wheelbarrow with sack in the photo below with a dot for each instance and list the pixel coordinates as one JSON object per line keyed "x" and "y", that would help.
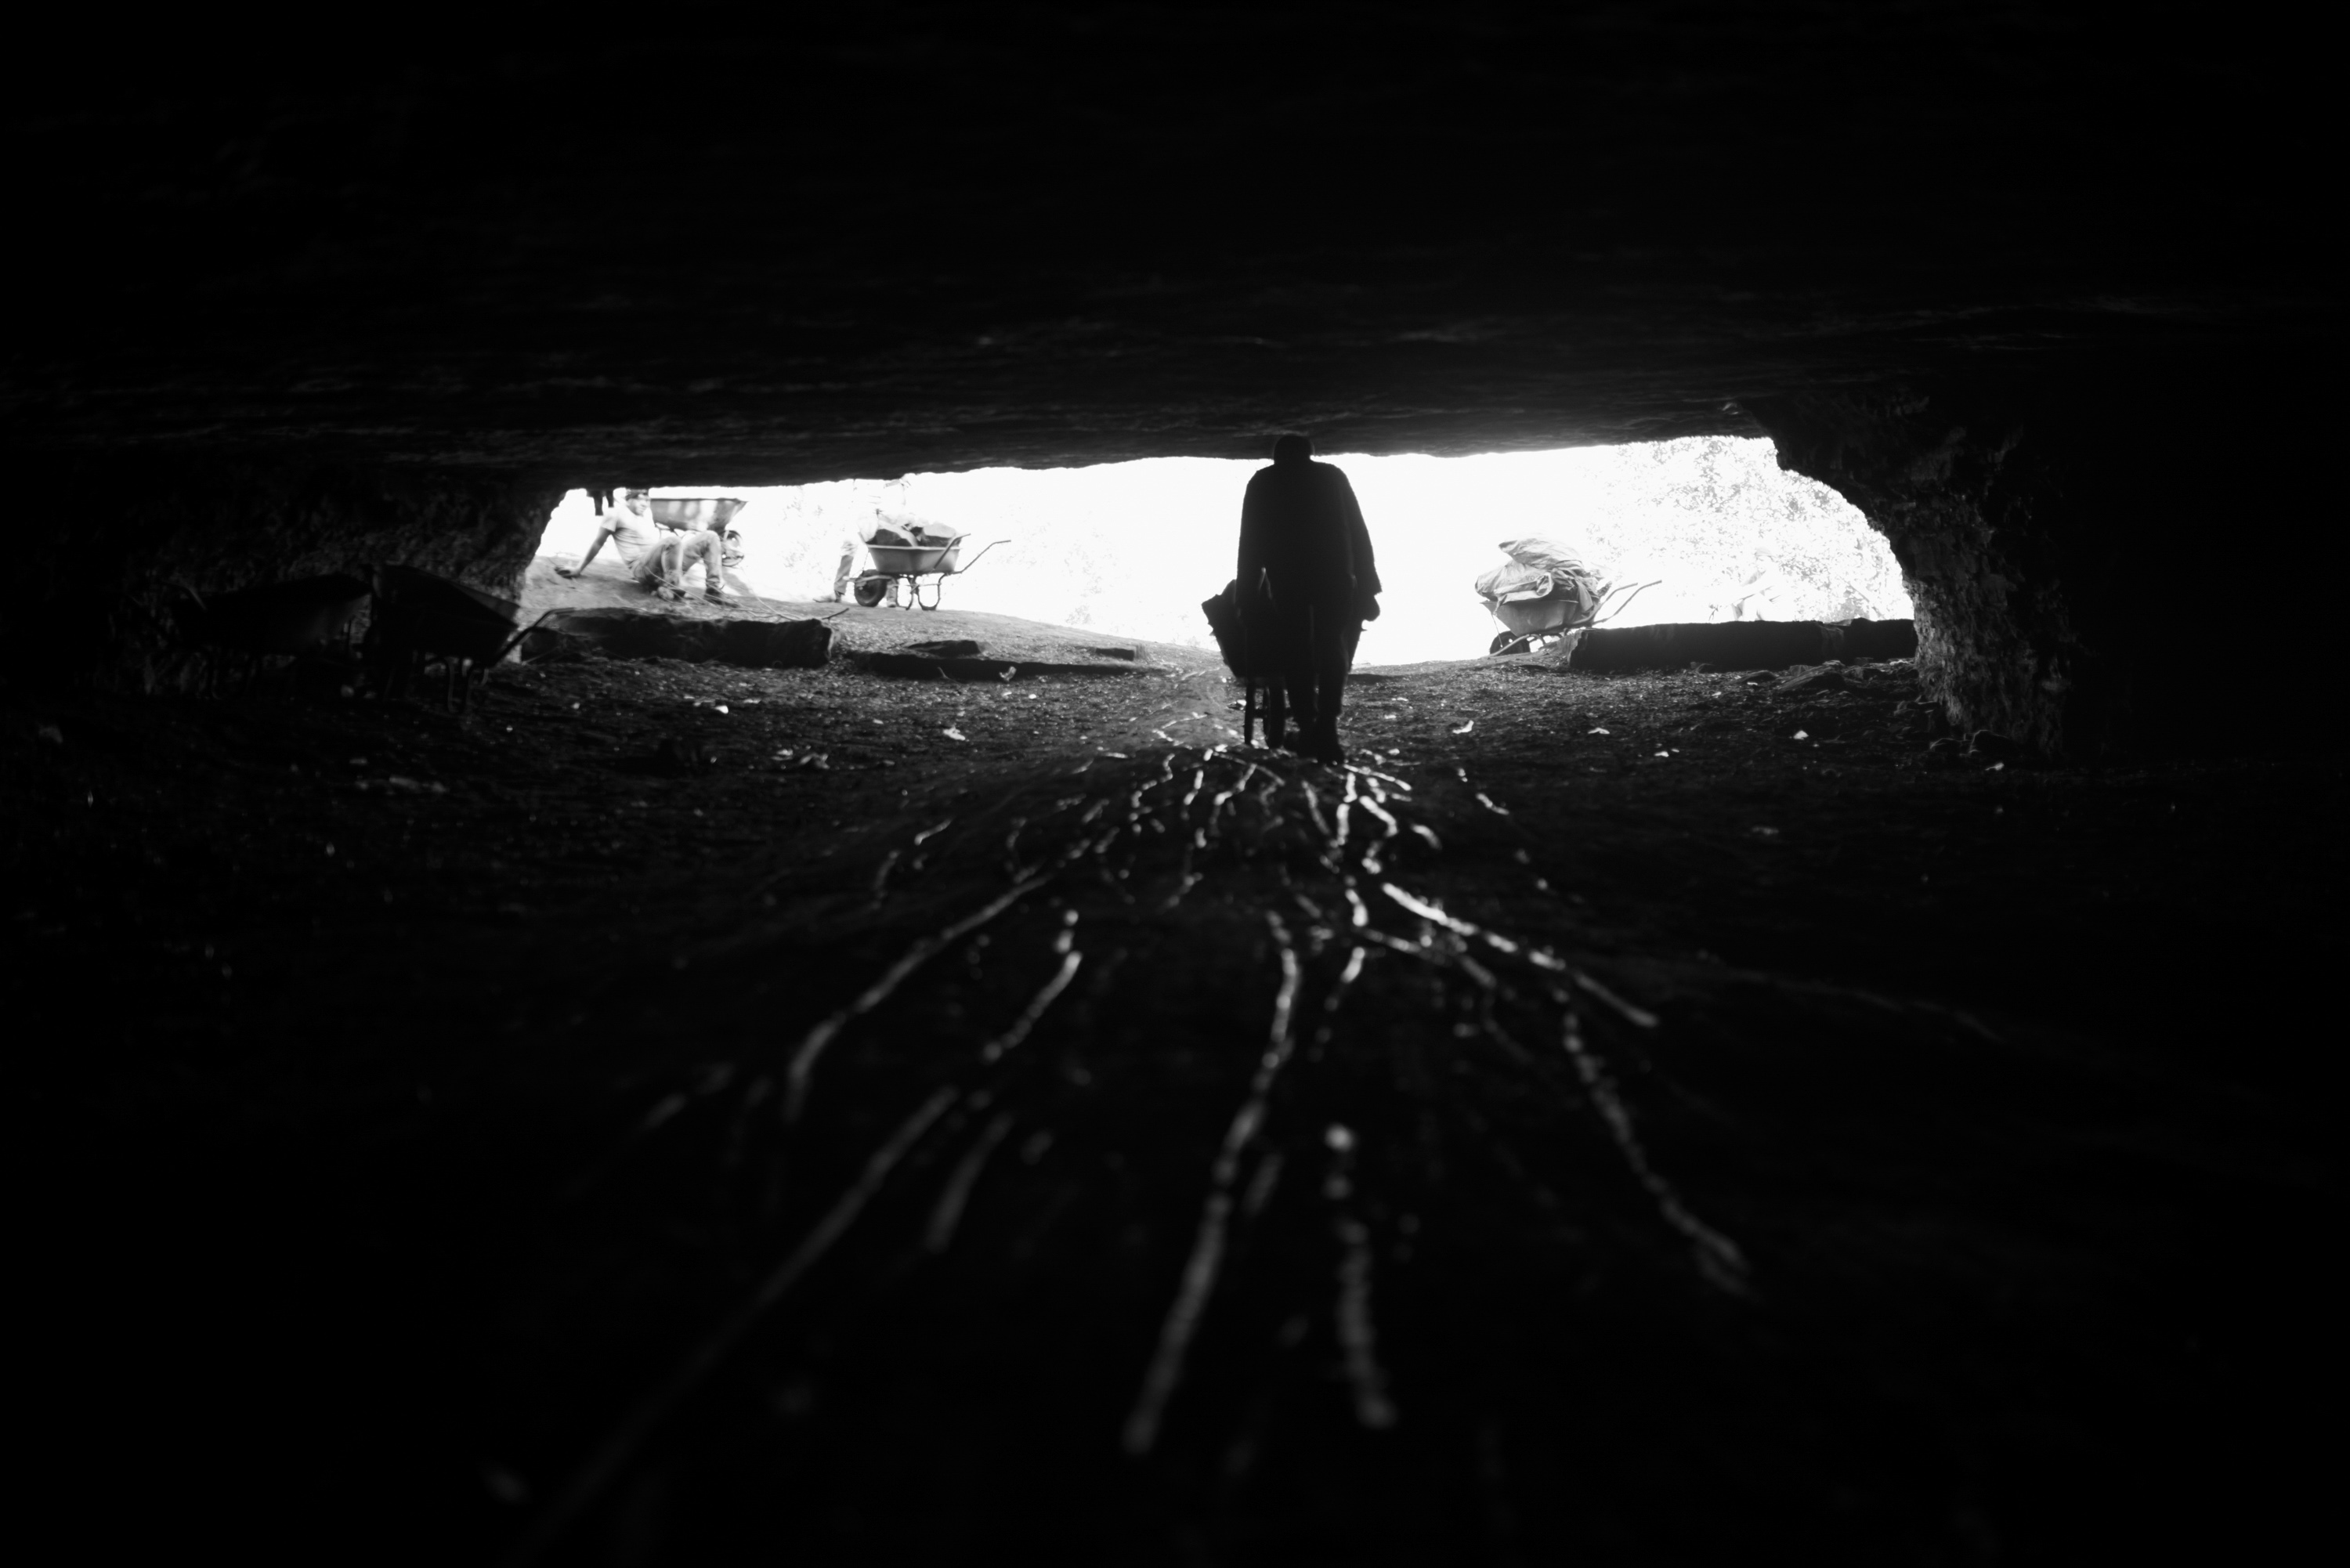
{"x": 904, "y": 553}
{"x": 1546, "y": 594}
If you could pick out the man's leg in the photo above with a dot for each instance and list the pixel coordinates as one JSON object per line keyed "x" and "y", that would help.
{"x": 1291, "y": 677}
{"x": 1298, "y": 678}
{"x": 711, "y": 551}
{"x": 652, "y": 566}
{"x": 1331, "y": 659}
{"x": 1259, "y": 634}
{"x": 715, "y": 567}
{"x": 665, "y": 566}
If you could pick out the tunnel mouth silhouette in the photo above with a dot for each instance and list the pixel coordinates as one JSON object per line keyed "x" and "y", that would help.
{"x": 731, "y": 1082}
{"x": 1696, "y": 531}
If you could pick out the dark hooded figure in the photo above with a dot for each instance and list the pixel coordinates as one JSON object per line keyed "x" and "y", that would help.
{"x": 1308, "y": 583}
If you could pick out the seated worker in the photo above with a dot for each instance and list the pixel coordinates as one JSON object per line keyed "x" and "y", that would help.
{"x": 630, "y": 527}
{"x": 713, "y": 552}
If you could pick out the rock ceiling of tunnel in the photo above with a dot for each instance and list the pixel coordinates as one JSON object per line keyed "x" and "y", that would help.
{"x": 925, "y": 239}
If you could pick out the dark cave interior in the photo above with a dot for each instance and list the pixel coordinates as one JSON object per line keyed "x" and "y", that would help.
{"x": 674, "y": 1112}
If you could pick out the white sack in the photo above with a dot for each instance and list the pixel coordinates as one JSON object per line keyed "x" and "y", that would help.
{"x": 1546, "y": 555}
{"x": 1511, "y": 583}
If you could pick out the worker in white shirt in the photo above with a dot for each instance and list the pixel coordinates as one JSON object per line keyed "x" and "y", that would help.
{"x": 634, "y": 535}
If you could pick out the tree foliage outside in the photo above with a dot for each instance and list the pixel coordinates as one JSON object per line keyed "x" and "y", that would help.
{"x": 1735, "y": 537}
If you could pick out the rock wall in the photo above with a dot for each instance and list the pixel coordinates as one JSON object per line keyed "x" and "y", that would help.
{"x": 2076, "y": 544}
{"x": 140, "y": 536}
{"x": 1898, "y": 237}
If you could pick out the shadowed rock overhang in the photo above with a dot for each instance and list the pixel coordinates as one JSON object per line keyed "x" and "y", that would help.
{"x": 920, "y": 238}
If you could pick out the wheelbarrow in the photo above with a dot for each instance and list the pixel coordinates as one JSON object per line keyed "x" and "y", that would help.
{"x": 1535, "y": 621}
{"x": 420, "y": 618}
{"x": 689, "y": 512}
{"x": 898, "y": 571}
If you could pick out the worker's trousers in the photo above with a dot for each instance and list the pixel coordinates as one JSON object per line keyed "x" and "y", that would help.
{"x": 1310, "y": 649}
{"x": 666, "y": 563}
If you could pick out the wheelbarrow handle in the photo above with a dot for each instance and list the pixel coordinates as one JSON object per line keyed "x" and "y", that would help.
{"x": 1619, "y": 608}
{"x": 958, "y": 571}
{"x": 516, "y": 641}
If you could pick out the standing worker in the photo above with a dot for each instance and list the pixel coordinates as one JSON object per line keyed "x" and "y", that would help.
{"x": 842, "y": 578}
{"x": 1308, "y": 583}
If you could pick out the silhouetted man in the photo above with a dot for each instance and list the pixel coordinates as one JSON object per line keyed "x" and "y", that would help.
{"x": 1308, "y": 583}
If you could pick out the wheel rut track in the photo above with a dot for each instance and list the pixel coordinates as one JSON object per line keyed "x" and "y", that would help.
{"x": 1282, "y": 896}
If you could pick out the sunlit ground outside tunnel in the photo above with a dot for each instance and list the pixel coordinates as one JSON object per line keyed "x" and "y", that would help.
{"x": 1129, "y": 549}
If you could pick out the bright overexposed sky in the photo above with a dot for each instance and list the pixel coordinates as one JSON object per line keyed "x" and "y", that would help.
{"x": 1129, "y": 549}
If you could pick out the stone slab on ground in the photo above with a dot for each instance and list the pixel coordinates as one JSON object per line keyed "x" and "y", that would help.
{"x": 642, "y": 634}
{"x": 1742, "y": 644}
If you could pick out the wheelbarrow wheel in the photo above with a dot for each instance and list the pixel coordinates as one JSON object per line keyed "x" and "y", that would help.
{"x": 1504, "y": 642}
{"x": 872, "y": 591}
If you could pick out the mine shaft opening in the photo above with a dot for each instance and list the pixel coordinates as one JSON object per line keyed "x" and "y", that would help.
{"x": 737, "y": 1089}
{"x": 1698, "y": 530}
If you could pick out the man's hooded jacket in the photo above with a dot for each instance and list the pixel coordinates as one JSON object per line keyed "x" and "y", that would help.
{"x": 1304, "y": 546}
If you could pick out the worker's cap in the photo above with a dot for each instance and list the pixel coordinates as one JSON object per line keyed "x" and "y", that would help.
{"x": 1293, "y": 448}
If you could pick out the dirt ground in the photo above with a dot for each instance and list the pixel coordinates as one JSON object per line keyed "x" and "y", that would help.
{"x": 678, "y": 1113}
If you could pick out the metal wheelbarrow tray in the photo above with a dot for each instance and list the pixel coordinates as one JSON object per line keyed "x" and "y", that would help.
{"x": 689, "y": 512}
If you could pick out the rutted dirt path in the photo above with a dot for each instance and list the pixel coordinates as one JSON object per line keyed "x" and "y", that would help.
{"x": 1580, "y": 1124}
